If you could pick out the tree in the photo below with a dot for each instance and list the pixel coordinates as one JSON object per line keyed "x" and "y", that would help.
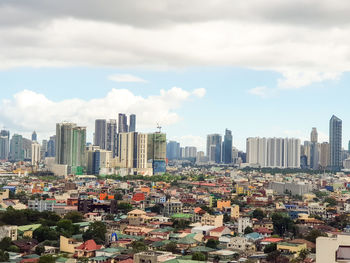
{"x": 258, "y": 214}
{"x": 13, "y": 248}
{"x": 45, "y": 233}
{"x": 138, "y": 246}
{"x": 181, "y": 223}
{"x": 303, "y": 254}
{"x": 198, "y": 256}
{"x": 273, "y": 256}
{"x": 118, "y": 196}
{"x": 5, "y": 243}
{"x": 4, "y": 256}
{"x": 314, "y": 234}
{"x": 212, "y": 243}
{"x": 171, "y": 247}
{"x": 47, "y": 259}
{"x": 39, "y": 250}
{"x": 156, "y": 208}
{"x": 66, "y": 228}
{"x": 125, "y": 207}
{"x": 270, "y": 248}
{"x": 248, "y": 230}
{"x": 74, "y": 216}
{"x": 96, "y": 231}
{"x": 282, "y": 224}
{"x": 331, "y": 201}
{"x": 227, "y": 218}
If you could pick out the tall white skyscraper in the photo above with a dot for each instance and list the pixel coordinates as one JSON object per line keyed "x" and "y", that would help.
{"x": 36, "y": 156}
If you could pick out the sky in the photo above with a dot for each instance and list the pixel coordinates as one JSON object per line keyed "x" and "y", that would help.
{"x": 259, "y": 68}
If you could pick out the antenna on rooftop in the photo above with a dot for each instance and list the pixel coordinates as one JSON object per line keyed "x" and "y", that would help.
{"x": 159, "y": 128}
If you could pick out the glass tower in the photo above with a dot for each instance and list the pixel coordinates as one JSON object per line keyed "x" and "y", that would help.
{"x": 335, "y": 143}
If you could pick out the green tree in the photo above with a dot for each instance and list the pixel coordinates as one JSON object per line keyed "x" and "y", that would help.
{"x": 4, "y": 256}
{"x": 66, "y": 228}
{"x": 5, "y": 243}
{"x": 199, "y": 256}
{"x": 248, "y": 230}
{"x": 39, "y": 250}
{"x": 270, "y": 248}
{"x": 13, "y": 248}
{"x": 96, "y": 231}
{"x": 212, "y": 243}
{"x": 282, "y": 224}
{"x": 273, "y": 256}
{"x": 180, "y": 224}
{"x": 313, "y": 234}
{"x": 258, "y": 214}
{"x": 45, "y": 233}
{"x": 74, "y": 216}
{"x": 124, "y": 207}
{"x": 331, "y": 201}
{"x": 156, "y": 208}
{"x": 303, "y": 254}
{"x": 118, "y": 196}
{"x": 47, "y": 259}
{"x": 138, "y": 246}
{"x": 227, "y": 218}
{"x": 171, "y": 247}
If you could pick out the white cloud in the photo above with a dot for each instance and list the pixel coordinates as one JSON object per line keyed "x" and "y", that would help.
{"x": 28, "y": 110}
{"x": 191, "y": 140}
{"x": 125, "y": 78}
{"x": 305, "y": 42}
{"x": 200, "y": 93}
{"x": 262, "y": 91}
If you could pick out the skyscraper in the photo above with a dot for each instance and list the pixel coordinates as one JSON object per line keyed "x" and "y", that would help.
{"x": 100, "y": 133}
{"x": 132, "y": 123}
{"x": 112, "y": 137}
{"x": 156, "y": 151}
{"x": 214, "y": 143}
{"x": 335, "y": 143}
{"x": 4, "y": 144}
{"x": 36, "y": 156}
{"x": 314, "y": 135}
{"x": 16, "y": 148}
{"x": 70, "y": 145}
{"x": 227, "y": 147}
{"x": 51, "y": 149}
{"x": 173, "y": 150}
{"x": 122, "y": 123}
{"x": 34, "y": 136}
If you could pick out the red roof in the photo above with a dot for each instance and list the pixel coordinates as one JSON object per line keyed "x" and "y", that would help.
{"x": 262, "y": 230}
{"x": 272, "y": 239}
{"x": 138, "y": 197}
{"x": 89, "y": 245}
{"x": 218, "y": 229}
{"x": 129, "y": 260}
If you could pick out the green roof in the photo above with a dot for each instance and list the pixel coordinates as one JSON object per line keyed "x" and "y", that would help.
{"x": 112, "y": 249}
{"x": 82, "y": 224}
{"x": 288, "y": 244}
{"x": 181, "y": 215}
{"x": 187, "y": 240}
{"x": 202, "y": 249}
{"x": 166, "y": 229}
{"x": 28, "y": 227}
{"x": 61, "y": 259}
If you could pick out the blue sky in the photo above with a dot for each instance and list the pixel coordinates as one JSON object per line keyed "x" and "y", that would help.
{"x": 259, "y": 68}
{"x": 226, "y": 104}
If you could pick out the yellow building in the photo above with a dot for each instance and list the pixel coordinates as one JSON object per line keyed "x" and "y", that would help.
{"x": 220, "y": 204}
{"x": 137, "y": 217}
{"x": 68, "y": 245}
{"x": 290, "y": 247}
{"x": 212, "y": 220}
{"x": 235, "y": 211}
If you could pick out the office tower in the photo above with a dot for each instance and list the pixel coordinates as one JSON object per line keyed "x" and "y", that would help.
{"x": 182, "y": 153}
{"x": 36, "y": 153}
{"x": 214, "y": 142}
{"x": 112, "y": 137}
{"x": 70, "y": 145}
{"x": 156, "y": 151}
{"x": 234, "y": 155}
{"x": 16, "y": 148}
{"x": 273, "y": 152}
{"x": 324, "y": 155}
{"x": 43, "y": 150}
{"x": 132, "y": 123}
{"x": 314, "y": 155}
{"x": 335, "y": 143}
{"x": 190, "y": 152}
{"x": 97, "y": 160}
{"x": 142, "y": 151}
{"x": 4, "y": 144}
{"x": 27, "y": 149}
{"x": 122, "y": 123}
{"x": 173, "y": 150}
{"x": 227, "y": 147}
{"x": 314, "y": 135}
{"x": 34, "y": 136}
{"x": 100, "y": 133}
{"x": 127, "y": 149}
{"x": 51, "y": 150}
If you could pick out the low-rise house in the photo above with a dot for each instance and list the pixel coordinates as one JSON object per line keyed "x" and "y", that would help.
{"x": 68, "y": 245}
{"x": 87, "y": 249}
{"x": 212, "y": 220}
{"x": 219, "y": 231}
{"x": 290, "y": 248}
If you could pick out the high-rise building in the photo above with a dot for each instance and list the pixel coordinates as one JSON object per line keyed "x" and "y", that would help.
{"x": 36, "y": 155}
{"x": 100, "y": 133}
{"x": 43, "y": 150}
{"x": 227, "y": 147}
{"x": 70, "y": 145}
{"x": 112, "y": 137}
{"x": 273, "y": 152}
{"x": 190, "y": 152}
{"x": 4, "y": 144}
{"x": 122, "y": 123}
{"x": 314, "y": 135}
{"x": 132, "y": 123}
{"x": 97, "y": 160}
{"x": 142, "y": 150}
{"x": 16, "y": 148}
{"x": 156, "y": 151}
{"x": 335, "y": 143}
{"x": 34, "y": 136}
{"x": 324, "y": 155}
{"x": 173, "y": 150}
{"x": 51, "y": 149}
{"x": 27, "y": 149}
{"x": 315, "y": 155}
{"x": 127, "y": 149}
{"x": 214, "y": 143}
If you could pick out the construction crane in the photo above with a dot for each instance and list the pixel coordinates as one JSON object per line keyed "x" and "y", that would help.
{"x": 159, "y": 128}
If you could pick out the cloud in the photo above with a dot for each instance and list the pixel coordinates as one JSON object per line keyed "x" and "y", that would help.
{"x": 262, "y": 91}
{"x": 199, "y": 92}
{"x": 125, "y": 78}
{"x": 191, "y": 140}
{"x": 28, "y": 110}
{"x": 305, "y": 41}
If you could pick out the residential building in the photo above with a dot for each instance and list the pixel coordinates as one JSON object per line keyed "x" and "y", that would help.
{"x": 132, "y": 123}
{"x": 214, "y": 143}
{"x": 4, "y": 144}
{"x": 16, "y": 148}
{"x": 173, "y": 150}
{"x": 212, "y": 220}
{"x": 333, "y": 249}
{"x": 243, "y": 223}
{"x": 40, "y": 205}
{"x": 172, "y": 207}
{"x": 335, "y": 143}
{"x": 36, "y": 154}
